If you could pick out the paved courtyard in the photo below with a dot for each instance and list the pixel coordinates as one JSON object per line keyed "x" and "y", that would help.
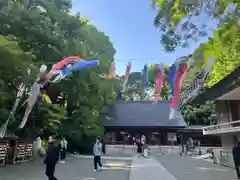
{"x": 187, "y": 168}
{"x": 167, "y": 167}
{"x": 74, "y": 169}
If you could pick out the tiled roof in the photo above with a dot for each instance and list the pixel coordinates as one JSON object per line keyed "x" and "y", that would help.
{"x": 141, "y": 114}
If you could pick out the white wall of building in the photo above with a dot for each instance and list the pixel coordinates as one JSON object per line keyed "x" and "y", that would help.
{"x": 224, "y": 116}
{"x": 223, "y": 112}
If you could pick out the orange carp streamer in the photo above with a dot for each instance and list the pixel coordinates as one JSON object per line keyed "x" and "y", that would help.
{"x": 112, "y": 73}
{"x": 159, "y": 81}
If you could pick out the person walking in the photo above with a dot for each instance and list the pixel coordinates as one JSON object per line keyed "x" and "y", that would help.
{"x": 97, "y": 151}
{"x": 236, "y": 158}
{"x": 145, "y": 149}
{"x": 63, "y": 147}
{"x": 139, "y": 147}
{"x": 103, "y": 147}
{"x": 51, "y": 158}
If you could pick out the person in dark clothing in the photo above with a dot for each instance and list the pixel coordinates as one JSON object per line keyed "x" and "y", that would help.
{"x": 51, "y": 159}
{"x": 103, "y": 147}
{"x": 236, "y": 158}
{"x": 139, "y": 147}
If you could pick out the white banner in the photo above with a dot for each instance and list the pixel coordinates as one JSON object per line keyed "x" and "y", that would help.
{"x": 198, "y": 83}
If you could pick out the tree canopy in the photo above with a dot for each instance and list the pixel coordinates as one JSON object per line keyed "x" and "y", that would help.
{"x": 36, "y": 32}
{"x": 178, "y": 24}
{"x": 43, "y": 32}
{"x": 181, "y": 24}
{"x": 181, "y": 21}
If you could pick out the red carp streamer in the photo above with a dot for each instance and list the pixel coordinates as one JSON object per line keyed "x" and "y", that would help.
{"x": 61, "y": 64}
{"x": 182, "y": 69}
{"x": 159, "y": 82}
{"x": 126, "y": 76}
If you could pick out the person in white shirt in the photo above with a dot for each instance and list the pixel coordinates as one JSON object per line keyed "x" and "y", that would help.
{"x": 63, "y": 147}
{"x": 97, "y": 151}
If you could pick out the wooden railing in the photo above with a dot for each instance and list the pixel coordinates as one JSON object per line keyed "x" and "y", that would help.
{"x": 229, "y": 127}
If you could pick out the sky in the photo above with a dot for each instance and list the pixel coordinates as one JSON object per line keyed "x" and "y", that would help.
{"x": 129, "y": 24}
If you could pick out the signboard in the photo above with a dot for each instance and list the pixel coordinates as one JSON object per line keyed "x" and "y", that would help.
{"x": 132, "y": 86}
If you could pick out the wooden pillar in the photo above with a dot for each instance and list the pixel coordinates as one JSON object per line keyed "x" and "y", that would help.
{"x": 164, "y": 137}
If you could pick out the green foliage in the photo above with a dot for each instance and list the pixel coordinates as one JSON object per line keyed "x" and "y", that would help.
{"x": 135, "y": 90}
{"x": 42, "y": 32}
{"x": 177, "y": 19}
{"x": 12, "y": 72}
{"x": 193, "y": 115}
{"x": 49, "y": 117}
{"x": 199, "y": 114}
{"x": 225, "y": 52}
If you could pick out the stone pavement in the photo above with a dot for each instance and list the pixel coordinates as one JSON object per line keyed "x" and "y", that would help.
{"x": 74, "y": 169}
{"x": 178, "y": 168}
{"x": 164, "y": 167}
{"x": 104, "y": 157}
{"x": 188, "y": 168}
{"x": 148, "y": 169}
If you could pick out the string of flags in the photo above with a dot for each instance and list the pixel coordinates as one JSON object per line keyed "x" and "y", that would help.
{"x": 176, "y": 75}
{"x": 66, "y": 66}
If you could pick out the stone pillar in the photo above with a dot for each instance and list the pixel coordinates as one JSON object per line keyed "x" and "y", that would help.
{"x": 227, "y": 142}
